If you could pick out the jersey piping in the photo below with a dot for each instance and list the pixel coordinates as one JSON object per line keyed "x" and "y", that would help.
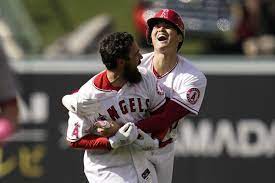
{"x": 158, "y": 105}
{"x": 186, "y": 106}
{"x": 102, "y": 83}
{"x": 156, "y": 73}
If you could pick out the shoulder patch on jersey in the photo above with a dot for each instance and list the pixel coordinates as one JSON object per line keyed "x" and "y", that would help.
{"x": 193, "y": 94}
{"x": 76, "y": 130}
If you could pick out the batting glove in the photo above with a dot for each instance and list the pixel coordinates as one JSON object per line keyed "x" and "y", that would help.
{"x": 127, "y": 134}
{"x": 145, "y": 142}
{"x": 82, "y": 107}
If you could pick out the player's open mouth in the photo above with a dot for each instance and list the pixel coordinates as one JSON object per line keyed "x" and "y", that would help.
{"x": 162, "y": 37}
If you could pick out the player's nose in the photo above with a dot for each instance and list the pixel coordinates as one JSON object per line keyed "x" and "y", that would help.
{"x": 161, "y": 26}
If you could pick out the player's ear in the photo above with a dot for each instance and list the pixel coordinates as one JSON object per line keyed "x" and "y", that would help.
{"x": 120, "y": 61}
{"x": 180, "y": 38}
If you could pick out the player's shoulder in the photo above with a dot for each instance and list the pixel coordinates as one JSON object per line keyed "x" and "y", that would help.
{"x": 189, "y": 68}
{"x": 146, "y": 59}
{"x": 147, "y": 55}
{"x": 89, "y": 86}
{"x": 145, "y": 72}
{"x": 147, "y": 76}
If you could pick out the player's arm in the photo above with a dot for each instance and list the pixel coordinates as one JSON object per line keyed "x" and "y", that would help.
{"x": 92, "y": 141}
{"x": 124, "y": 136}
{"x": 186, "y": 98}
{"x": 164, "y": 112}
{"x": 98, "y": 138}
{"x": 163, "y": 117}
{"x": 80, "y": 135}
{"x": 81, "y": 107}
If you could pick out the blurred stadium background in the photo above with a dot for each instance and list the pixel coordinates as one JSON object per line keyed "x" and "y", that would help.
{"x": 52, "y": 46}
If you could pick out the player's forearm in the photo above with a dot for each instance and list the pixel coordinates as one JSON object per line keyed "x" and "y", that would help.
{"x": 163, "y": 118}
{"x": 92, "y": 142}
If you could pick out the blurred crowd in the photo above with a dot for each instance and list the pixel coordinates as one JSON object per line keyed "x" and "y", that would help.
{"x": 252, "y": 32}
{"x": 255, "y": 30}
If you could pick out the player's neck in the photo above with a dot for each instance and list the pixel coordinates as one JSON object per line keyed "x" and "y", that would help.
{"x": 163, "y": 63}
{"x": 115, "y": 79}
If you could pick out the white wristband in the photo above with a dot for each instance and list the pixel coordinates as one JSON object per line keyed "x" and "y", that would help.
{"x": 113, "y": 142}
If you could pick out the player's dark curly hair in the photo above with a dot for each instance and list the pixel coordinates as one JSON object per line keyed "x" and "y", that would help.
{"x": 114, "y": 46}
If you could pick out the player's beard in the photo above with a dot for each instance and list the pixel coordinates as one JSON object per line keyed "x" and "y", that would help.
{"x": 131, "y": 74}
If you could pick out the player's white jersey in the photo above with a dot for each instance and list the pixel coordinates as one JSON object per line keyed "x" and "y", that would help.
{"x": 184, "y": 84}
{"x": 131, "y": 103}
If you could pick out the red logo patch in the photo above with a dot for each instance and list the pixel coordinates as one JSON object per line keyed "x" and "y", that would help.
{"x": 164, "y": 13}
{"x": 193, "y": 94}
{"x": 76, "y": 130}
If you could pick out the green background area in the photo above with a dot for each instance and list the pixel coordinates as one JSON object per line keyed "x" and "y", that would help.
{"x": 54, "y": 18}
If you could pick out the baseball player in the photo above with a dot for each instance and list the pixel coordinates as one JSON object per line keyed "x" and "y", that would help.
{"x": 125, "y": 94}
{"x": 182, "y": 82}
{"x": 8, "y": 102}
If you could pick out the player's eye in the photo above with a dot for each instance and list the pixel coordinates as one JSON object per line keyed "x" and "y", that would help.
{"x": 164, "y": 25}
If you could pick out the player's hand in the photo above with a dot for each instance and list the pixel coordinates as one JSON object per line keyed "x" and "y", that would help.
{"x": 145, "y": 142}
{"x": 127, "y": 134}
{"x": 82, "y": 107}
{"x": 106, "y": 128}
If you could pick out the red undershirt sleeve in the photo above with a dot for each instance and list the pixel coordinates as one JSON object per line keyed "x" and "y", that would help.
{"x": 163, "y": 117}
{"x": 92, "y": 142}
{"x": 160, "y": 120}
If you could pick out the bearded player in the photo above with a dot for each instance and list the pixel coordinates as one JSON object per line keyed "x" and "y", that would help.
{"x": 182, "y": 82}
{"x": 126, "y": 94}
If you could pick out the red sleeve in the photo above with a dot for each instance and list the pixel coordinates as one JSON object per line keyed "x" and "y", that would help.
{"x": 163, "y": 118}
{"x": 92, "y": 142}
{"x": 12, "y": 101}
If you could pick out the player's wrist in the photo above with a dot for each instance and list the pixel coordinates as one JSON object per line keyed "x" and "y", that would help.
{"x": 156, "y": 143}
{"x": 113, "y": 142}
